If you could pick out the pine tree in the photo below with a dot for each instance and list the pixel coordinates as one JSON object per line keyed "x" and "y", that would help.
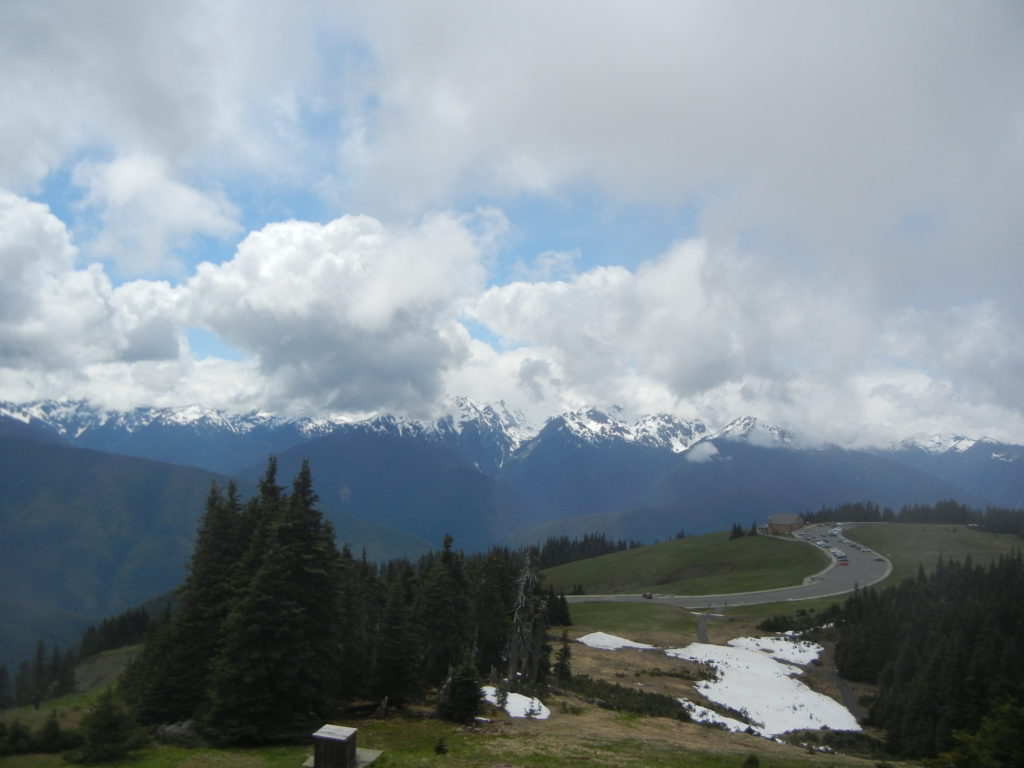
{"x": 180, "y": 655}
{"x": 108, "y": 729}
{"x": 563, "y": 663}
{"x": 460, "y": 697}
{"x": 443, "y": 614}
{"x": 276, "y": 672}
{"x": 395, "y": 672}
{"x": 6, "y": 690}
{"x": 494, "y": 597}
{"x": 528, "y": 654}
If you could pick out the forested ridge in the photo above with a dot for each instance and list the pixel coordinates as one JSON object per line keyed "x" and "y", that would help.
{"x": 946, "y": 649}
{"x": 947, "y": 512}
{"x": 276, "y": 628}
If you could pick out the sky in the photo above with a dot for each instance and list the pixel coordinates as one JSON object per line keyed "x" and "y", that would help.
{"x": 806, "y": 212}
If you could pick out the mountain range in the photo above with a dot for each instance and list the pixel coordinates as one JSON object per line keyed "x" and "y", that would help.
{"x": 97, "y": 508}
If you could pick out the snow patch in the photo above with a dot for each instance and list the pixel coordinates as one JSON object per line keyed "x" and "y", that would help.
{"x": 786, "y": 649}
{"x": 707, "y": 716}
{"x": 752, "y": 682}
{"x": 517, "y": 705}
{"x": 608, "y": 642}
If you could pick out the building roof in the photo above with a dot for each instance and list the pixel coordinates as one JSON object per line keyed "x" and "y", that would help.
{"x": 335, "y": 732}
{"x": 784, "y": 518}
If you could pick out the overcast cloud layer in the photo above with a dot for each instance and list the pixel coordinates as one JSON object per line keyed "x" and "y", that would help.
{"x": 313, "y": 208}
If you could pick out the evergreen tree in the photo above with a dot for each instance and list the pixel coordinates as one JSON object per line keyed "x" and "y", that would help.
{"x": 395, "y": 672}
{"x": 528, "y": 654}
{"x": 18, "y": 739}
{"x": 51, "y": 737}
{"x": 494, "y": 577}
{"x": 563, "y": 663}
{"x": 6, "y": 690}
{"x": 108, "y": 729}
{"x": 180, "y": 655}
{"x": 361, "y": 597}
{"x": 40, "y": 675}
{"x": 998, "y": 742}
{"x": 444, "y": 615}
{"x": 23, "y": 686}
{"x": 276, "y": 673}
{"x": 460, "y": 697}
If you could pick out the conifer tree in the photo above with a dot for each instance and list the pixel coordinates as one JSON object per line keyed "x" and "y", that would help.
{"x": 276, "y": 672}
{"x": 6, "y": 690}
{"x": 527, "y": 652}
{"x": 360, "y": 597}
{"x": 395, "y": 672}
{"x": 444, "y": 615}
{"x": 178, "y": 656}
{"x": 460, "y": 697}
{"x": 108, "y": 728}
{"x": 563, "y": 663}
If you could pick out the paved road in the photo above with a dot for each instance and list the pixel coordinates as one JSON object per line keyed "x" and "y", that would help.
{"x": 864, "y": 569}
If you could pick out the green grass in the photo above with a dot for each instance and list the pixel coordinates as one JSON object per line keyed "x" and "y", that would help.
{"x": 912, "y": 545}
{"x": 605, "y": 740}
{"x": 699, "y": 565}
{"x": 637, "y": 621}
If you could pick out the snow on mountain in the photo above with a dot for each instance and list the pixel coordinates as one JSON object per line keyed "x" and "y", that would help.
{"x": 943, "y": 442}
{"x": 463, "y": 413}
{"x": 592, "y": 425}
{"x": 755, "y": 431}
{"x": 462, "y": 421}
{"x": 665, "y": 431}
{"x": 658, "y": 431}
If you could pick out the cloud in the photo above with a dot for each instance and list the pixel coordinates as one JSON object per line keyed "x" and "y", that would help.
{"x": 701, "y": 452}
{"x": 144, "y": 214}
{"x": 347, "y": 315}
{"x": 58, "y": 317}
{"x": 847, "y": 194}
{"x": 818, "y": 129}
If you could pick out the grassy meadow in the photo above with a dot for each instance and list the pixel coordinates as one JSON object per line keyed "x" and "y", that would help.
{"x": 698, "y": 565}
{"x": 913, "y": 545}
{"x": 577, "y": 733}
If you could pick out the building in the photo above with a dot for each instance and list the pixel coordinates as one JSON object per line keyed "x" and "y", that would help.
{"x": 783, "y": 523}
{"x": 334, "y": 746}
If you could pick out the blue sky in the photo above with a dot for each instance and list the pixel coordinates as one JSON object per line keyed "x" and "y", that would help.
{"x": 803, "y": 212}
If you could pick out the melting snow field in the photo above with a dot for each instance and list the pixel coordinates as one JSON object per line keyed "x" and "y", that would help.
{"x": 707, "y": 716}
{"x": 610, "y": 642}
{"x": 755, "y": 676}
{"x": 751, "y": 681}
{"x": 782, "y": 648}
{"x": 517, "y": 705}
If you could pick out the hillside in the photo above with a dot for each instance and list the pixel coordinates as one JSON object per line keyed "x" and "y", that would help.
{"x": 918, "y": 545}
{"x": 86, "y": 534}
{"x": 697, "y": 565}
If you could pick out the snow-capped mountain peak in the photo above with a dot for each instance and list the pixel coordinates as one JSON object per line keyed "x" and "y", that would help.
{"x": 593, "y": 425}
{"x": 942, "y": 442}
{"x": 463, "y": 412}
{"x": 665, "y": 430}
{"x": 753, "y": 430}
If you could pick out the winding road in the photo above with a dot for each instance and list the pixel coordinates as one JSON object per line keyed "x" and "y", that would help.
{"x": 865, "y": 568}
